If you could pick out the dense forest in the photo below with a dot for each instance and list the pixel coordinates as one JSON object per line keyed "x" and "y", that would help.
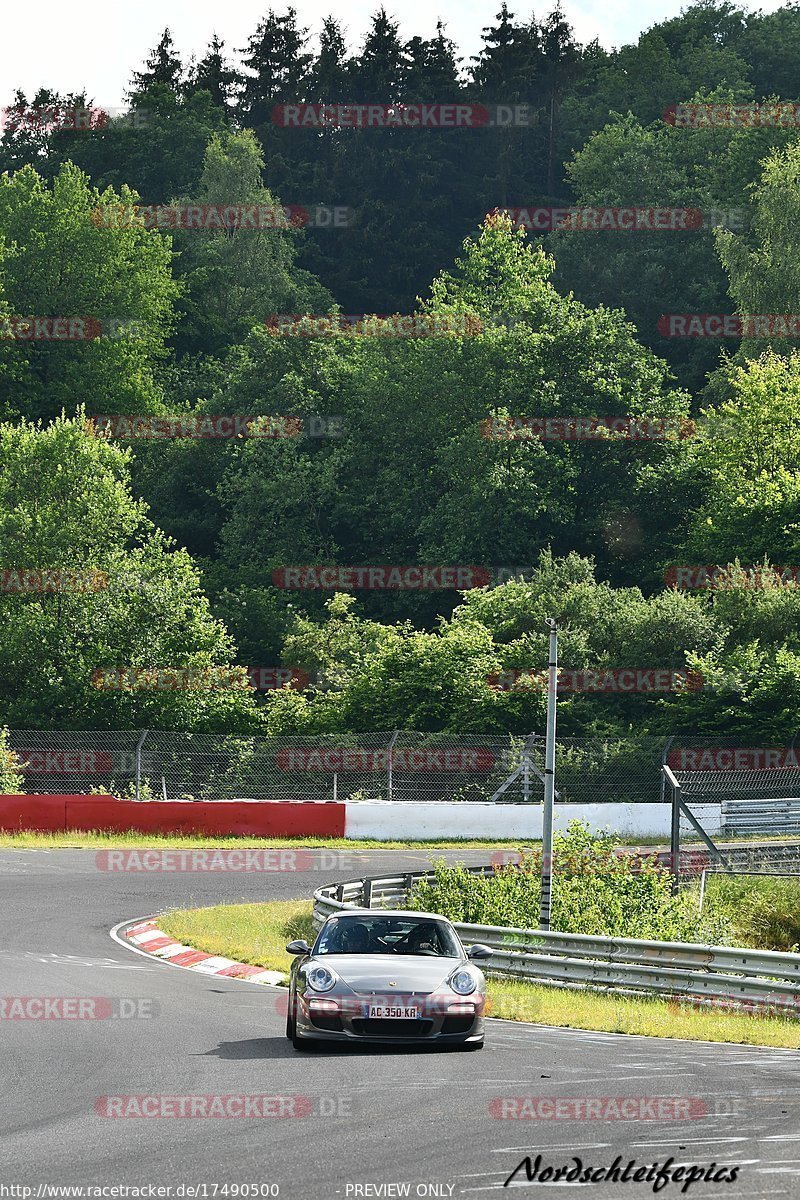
{"x": 179, "y": 448}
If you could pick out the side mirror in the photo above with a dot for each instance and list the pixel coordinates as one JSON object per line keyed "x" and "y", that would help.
{"x": 479, "y": 951}
{"x": 298, "y": 947}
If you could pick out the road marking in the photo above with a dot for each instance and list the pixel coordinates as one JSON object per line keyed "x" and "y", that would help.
{"x": 73, "y": 960}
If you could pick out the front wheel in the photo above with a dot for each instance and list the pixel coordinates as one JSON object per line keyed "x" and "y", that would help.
{"x": 289, "y": 1021}
{"x": 472, "y": 1045}
{"x": 291, "y": 1031}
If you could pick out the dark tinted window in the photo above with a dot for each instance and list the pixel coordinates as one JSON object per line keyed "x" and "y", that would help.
{"x": 388, "y": 935}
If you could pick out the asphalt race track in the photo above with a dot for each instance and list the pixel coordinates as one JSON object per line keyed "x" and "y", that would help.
{"x": 366, "y": 1118}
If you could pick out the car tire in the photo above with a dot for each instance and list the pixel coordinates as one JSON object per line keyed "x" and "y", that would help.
{"x": 291, "y": 1032}
{"x": 472, "y": 1045}
{"x": 289, "y": 1021}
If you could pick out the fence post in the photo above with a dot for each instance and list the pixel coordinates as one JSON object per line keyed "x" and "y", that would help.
{"x": 675, "y": 829}
{"x": 549, "y": 778}
{"x": 139, "y": 762}
{"x": 664, "y": 753}
{"x": 395, "y": 736}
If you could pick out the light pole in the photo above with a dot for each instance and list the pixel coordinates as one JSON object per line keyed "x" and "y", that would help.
{"x": 549, "y": 776}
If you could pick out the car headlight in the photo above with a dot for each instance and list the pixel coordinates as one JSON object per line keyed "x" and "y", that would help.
{"x": 320, "y": 979}
{"x": 463, "y": 982}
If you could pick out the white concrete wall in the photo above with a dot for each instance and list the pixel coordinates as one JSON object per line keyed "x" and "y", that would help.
{"x": 413, "y": 821}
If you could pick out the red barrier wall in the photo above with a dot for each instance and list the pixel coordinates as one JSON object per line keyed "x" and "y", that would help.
{"x": 246, "y": 818}
{"x": 45, "y": 814}
{"x": 251, "y": 818}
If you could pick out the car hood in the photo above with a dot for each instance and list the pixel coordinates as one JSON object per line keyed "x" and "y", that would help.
{"x": 366, "y": 973}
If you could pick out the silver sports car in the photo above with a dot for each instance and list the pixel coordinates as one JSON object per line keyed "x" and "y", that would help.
{"x": 383, "y": 976}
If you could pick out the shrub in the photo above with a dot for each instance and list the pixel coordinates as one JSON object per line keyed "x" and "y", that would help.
{"x": 11, "y": 777}
{"x": 596, "y": 890}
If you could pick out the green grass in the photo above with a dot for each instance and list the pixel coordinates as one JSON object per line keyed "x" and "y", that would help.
{"x": 762, "y": 912}
{"x": 75, "y": 839}
{"x": 102, "y": 839}
{"x": 248, "y": 933}
{"x": 257, "y": 934}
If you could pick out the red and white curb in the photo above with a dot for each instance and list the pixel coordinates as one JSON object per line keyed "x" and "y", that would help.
{"x": 149, "y": 939}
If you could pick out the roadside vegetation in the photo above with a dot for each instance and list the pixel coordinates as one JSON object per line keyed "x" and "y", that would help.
{"x": 76, "y": 839}
{"x": 598, "y": 890}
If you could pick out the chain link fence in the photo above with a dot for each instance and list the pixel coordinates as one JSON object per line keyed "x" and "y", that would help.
{"x": 395, "y": 765}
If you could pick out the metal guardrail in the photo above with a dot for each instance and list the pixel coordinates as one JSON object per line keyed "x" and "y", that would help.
{"x": 732, "y": 973}
{"x": 757, "y": 816}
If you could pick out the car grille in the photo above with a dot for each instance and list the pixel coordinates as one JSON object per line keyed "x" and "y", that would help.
{"x": 330, "y": 1021}
{"x": 458, "y": 1024}
{"x": 378, "y": 1027}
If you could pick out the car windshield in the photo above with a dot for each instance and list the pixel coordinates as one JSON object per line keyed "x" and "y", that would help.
{"x": 388, "y": 935}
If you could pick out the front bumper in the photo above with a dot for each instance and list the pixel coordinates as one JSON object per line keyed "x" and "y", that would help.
{"x": 346, "y": 1019}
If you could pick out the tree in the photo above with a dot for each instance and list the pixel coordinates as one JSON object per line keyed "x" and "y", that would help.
{"x": 377, "y": 74}
{"x": 157, "y": 149}
{"x": 432, "y": 68}
{"x": 413, "y": 479}
{"x": 508, "y": 59}
{"x": 163, "y": 68}
{"x": 234, "y": 278}
{"x": 764, "y": 268}
{"x": 66, "y": 507}
{"x": 275, "y": 55}
{"x": 38, "y": 133}
{"x": 328, "y": 76}
{"x": 65, "y": 253}
{"x": 213, "y": 75}
{"x": 752, "y": 456}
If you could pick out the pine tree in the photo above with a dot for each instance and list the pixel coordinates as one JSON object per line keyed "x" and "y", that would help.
{"x": 562, "y": 61}
{"x": 379, "y": 70}
{"x": 432, "y": 70}
{"x": 162, "y": 67}
{"x": 275, "y": 54}
{"x": 328, "y": 78}
{"x": 212, "y": 74}
{"x": 507, "y": 65}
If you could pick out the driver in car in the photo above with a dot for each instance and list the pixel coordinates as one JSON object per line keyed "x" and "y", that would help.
{"x": 422, "y": 938}
{"x": 355, "y": 938}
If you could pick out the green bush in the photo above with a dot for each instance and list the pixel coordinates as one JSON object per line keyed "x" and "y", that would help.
{"x": 11, "y": 778}
{"x": 596, "y": 890}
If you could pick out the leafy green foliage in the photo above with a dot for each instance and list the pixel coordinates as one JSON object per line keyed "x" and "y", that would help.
{"x": 596, "y": 890}
{"x": 11, "y": 777}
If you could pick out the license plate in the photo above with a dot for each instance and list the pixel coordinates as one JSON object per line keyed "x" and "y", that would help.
{"x": 390, "y": 1012}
